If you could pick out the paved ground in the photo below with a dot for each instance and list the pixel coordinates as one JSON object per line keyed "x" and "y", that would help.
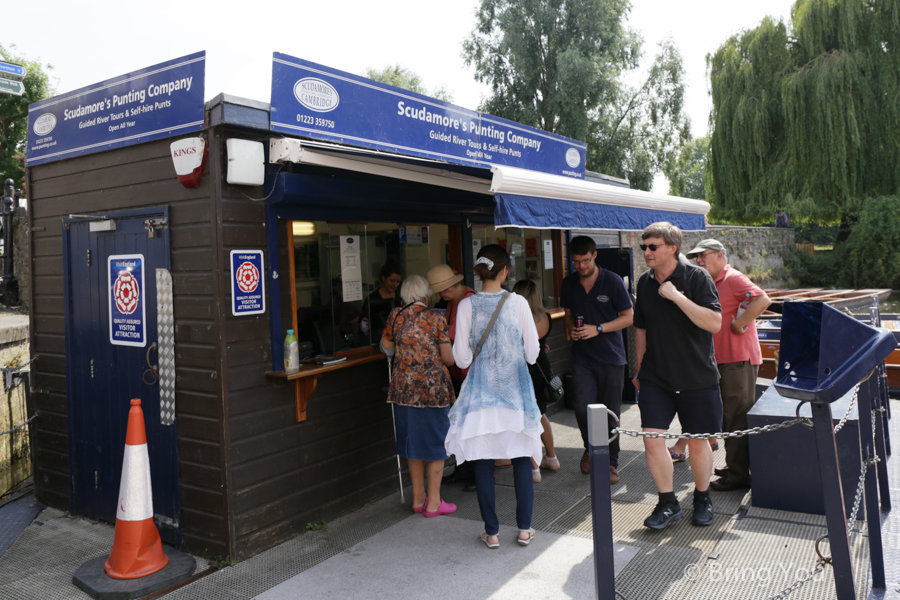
{"x": 384, "y": 551}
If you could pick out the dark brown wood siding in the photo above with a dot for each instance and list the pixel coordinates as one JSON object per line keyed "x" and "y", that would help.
{"x": 134, "y": 177}
{"x": 286, "y": 474}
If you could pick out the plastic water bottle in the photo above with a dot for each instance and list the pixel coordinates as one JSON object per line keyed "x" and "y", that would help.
{"x": 743, "y": 305}
{"x": 291, "y": 353}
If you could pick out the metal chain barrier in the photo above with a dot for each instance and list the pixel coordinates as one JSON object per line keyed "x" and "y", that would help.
{"x": 703, "y": 436}
{"x": 19, "y": 426}
{"x": 820, "y": 566}
{"x": 849, "y": 408}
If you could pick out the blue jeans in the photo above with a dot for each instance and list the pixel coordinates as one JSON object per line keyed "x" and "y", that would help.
{"x": 598, "y": 384}
{"x": 524, "y": 485}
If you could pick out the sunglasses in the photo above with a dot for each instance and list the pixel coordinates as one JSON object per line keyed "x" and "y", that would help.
{"x": 652, "y": 247}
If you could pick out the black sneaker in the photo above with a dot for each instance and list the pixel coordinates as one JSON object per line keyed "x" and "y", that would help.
{"x": 662, "y": 515}
{"x": 703, "y": 512}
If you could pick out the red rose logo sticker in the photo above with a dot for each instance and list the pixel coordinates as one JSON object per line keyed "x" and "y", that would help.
{"x": 126, "y": 292}
{"x": 247, "y": 277}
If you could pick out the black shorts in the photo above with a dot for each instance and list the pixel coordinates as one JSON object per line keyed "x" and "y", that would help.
{"x": 699, "y": 411}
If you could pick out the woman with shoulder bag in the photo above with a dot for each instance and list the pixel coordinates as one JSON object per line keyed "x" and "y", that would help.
{"x": 496, "y": 416}
{"x": 421, "y": 391}
{"x": 540, "y": 373}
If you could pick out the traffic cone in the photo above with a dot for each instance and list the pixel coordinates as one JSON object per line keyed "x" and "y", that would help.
{"x": 137, "y": 549}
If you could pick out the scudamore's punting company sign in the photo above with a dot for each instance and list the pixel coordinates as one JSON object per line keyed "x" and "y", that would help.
{"x": 150, "y": 104}
{"x": 323, "y": 103}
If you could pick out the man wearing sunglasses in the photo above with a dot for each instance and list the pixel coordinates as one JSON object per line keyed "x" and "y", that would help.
{"x": 737, "y": 355}
{"x": 598, "y": 352}
{"x": 675, "y": 316}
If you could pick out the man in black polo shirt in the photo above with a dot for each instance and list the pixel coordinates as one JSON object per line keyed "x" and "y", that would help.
{"x": 676, "y": 314}
{"x": 598, "y": 353}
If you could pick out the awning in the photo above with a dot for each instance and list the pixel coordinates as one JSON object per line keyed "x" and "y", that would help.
{"x": 540, "y": 201}
{"x": 523, "y": 198}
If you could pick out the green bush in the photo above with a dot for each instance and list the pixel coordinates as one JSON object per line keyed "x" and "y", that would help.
{"x": 868, "y": 258}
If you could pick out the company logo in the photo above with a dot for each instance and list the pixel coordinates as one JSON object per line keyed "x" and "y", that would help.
{"x": 349, "y": 240}
{"x": 602, "y": 298}
{"x": 184, "y": 151}
{"x": 44, "y": 124}
{"x": 573, "y": 157}
{"x": 126, "y": 292}
{"x": 247, "y": 277}
{"x": 316, "y": 94}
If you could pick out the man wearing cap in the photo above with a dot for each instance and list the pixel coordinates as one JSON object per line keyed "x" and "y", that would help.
{"x": 675, "y": 316}
{"x": 451, "y": 288}
{"x": 598, "y": 352}
{"x": 737, "y": 355}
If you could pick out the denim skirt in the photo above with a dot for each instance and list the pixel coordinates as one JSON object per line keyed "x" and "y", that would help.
{"x": 421, "y": 432}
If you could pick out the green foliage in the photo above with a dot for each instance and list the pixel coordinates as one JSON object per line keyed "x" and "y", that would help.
{"x": 316, "y": 525}
{"x": 806, "y": 115}
{"x": 401, "y": 77}
{"x": 869, "y": 258}
{"x": 687, "y": 174}
{"x": 557, "y": 65}
{"x": 14, "y": 113}
{"x": 813, "y": 232}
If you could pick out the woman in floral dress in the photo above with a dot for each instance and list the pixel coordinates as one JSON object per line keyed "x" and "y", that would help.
{"x": 421, "y": 391}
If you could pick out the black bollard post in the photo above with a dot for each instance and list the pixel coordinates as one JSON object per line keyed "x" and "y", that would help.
{"x": 833, "y": 495}
{"x": 601, "y": 503}
{"x": 867, "y": 397}
{"x": 9, "y": 288}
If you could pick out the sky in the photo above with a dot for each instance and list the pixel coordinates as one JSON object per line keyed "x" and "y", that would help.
{"x": 102, "y": 40}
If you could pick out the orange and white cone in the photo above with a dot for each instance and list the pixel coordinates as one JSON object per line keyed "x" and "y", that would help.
{"x": 137, "y": 549}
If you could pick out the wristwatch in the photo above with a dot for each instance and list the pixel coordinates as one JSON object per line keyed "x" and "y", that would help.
{"x": 599, "y": 328}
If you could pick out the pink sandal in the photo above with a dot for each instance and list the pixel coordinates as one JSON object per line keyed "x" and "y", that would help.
{"x": 421, "y": 508}
{"x": 675, "y": 456}
{"x": 445, "y": 508}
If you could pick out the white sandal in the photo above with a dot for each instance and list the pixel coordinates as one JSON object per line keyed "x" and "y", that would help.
{"x": 484, "y": 538}
{"x": 527, "y": 540}
{"x": 550, "y": 463}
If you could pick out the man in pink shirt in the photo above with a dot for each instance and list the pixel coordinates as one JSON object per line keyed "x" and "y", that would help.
{"x": 737, "y": 355}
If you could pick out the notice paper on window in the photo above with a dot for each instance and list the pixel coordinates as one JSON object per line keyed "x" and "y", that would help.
{"x": 548, "y": 254}
{"x": 351, "y": 274}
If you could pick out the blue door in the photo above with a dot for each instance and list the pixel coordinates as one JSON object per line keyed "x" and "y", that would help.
{"x": 105, "y": 368}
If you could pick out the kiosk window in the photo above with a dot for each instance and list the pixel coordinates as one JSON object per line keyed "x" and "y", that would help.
{"x": 346, "y": 276}
{"x": 526, "y": 249}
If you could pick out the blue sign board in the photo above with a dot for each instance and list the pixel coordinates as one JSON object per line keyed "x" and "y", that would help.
{"x": 13, "y": 69}
{"x": 247, "y": 289}
{"x": 150, "y": 104}
{"x": 127, "y": 300}
{"x": 319, "y": 102}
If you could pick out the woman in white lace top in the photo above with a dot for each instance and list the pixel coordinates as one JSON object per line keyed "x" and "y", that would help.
{"x": 496, "y": 416}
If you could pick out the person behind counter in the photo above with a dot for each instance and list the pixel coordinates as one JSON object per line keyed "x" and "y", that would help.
{"x": 540, "y": 372}
{"x": 496, "y": 415}
{"x": 378, "y": 305}
{"x": 421, "y": 391}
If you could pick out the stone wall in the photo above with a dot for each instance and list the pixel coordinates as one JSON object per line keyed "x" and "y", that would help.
{"x": 14, "y": 350}
{"x": 755, "y": 251}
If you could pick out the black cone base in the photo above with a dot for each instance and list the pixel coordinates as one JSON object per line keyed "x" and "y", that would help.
{"x": 93, "y": 580}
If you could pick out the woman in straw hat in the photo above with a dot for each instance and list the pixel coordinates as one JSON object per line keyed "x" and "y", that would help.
{"x": 451, "y": 288}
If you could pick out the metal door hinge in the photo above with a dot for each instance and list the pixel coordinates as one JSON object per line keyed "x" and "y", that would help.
{"x": 96, "y": 480}
{"x": 89, "y": 257}
{"x": 92, "y": 368}
{"x": 151, "y": 225}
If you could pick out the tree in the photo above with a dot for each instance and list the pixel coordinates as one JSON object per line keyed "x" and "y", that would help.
{"x": 401, "y": 77}
{"x": 687, "y": 175}
{"x": 806, "y": 115}
{"x": 14, "y": 113}
{"x": 557, "y": 65}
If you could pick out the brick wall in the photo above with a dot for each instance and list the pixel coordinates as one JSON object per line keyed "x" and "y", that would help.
{"x": 755, "y": 251}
